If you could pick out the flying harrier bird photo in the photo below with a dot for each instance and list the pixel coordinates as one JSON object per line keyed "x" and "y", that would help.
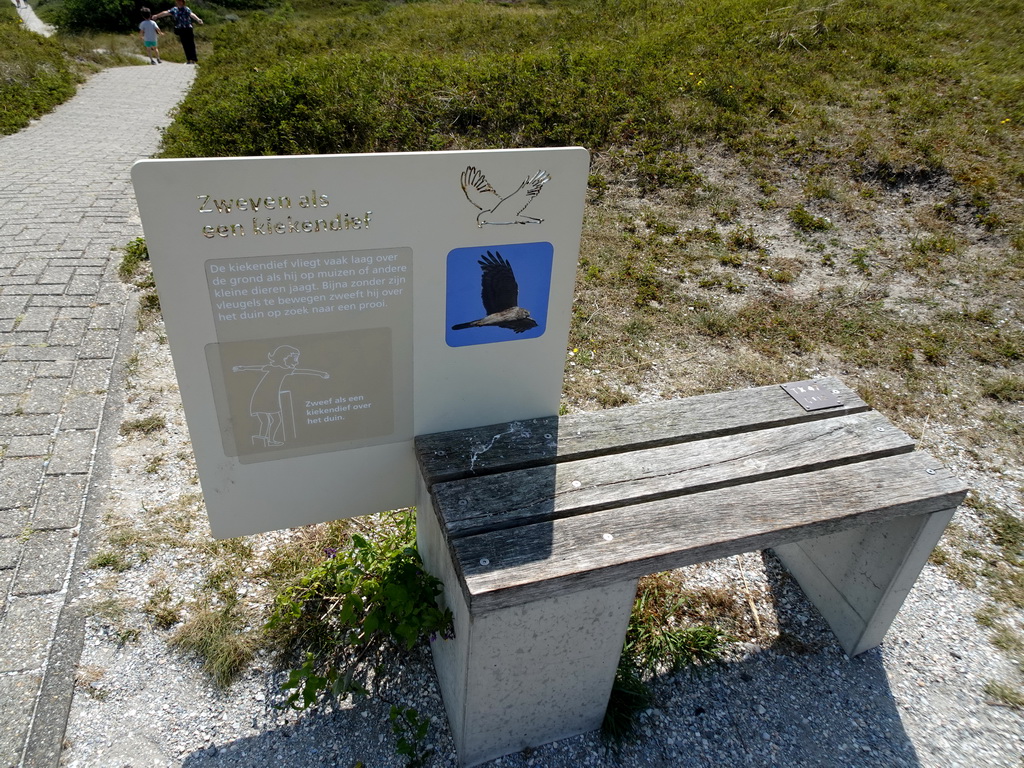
{"x": 499, "y": 292}
{"x": 498, "y": 209}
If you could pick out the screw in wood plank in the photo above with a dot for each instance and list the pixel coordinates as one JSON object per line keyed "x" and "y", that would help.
{"x": 547, "y": 437}
{"x": 880, "y": 429}
{"x": 463, "y": 502}
{"x": 576, "y": 484}
{"x": 608, "y": 537}
{"x": 930, "y": 471}
{"x": 484, "y": 561}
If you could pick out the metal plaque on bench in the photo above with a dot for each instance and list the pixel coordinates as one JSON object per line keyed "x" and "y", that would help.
{"x": 812, "y": 395}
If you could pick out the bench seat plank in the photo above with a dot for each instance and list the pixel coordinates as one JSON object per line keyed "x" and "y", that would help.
{"x": 505, "y": 567}
{"x": 448, "y": 456}
{"x": 512, "y": 499}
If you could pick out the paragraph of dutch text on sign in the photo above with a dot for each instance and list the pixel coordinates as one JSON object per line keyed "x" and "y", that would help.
{"x": 304, "y": 286}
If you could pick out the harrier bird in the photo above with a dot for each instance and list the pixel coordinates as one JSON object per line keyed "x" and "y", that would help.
{"x": 500, "y": 294}
{"x": 495, "y": 209}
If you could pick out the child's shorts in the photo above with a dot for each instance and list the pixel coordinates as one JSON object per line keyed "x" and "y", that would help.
{"x": 150, "y": 43}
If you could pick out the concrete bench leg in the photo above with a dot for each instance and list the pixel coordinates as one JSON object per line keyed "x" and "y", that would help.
{"x": 527, "y": 675}
{"x": 859, "y": 578}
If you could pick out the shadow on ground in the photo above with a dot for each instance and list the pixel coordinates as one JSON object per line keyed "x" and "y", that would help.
{"x": 802, "y": 702}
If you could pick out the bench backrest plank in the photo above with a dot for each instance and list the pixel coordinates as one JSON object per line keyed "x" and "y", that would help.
{"x": 538, "y": 442}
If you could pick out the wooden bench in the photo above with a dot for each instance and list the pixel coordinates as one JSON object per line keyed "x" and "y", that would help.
{"x": 540, "y": 529}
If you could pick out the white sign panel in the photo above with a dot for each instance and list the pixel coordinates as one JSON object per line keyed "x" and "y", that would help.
{"x": 323, "y": 310}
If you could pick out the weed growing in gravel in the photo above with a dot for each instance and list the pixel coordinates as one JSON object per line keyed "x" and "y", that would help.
{"x": 115, "y": 561}
{"x": 135, "y": 256}
{"x": 163, "y": 608}
{"x": 1008, "y": 389}
{"x": 660, "y": 638}
{"x": 88, "y": 679}
{"x": 135, "y": 269}
{"x": 114, "y": 613}
{"x": 930, "y": 251}
{"x": 999, "y": 562}
{"x": 411, "y": 730}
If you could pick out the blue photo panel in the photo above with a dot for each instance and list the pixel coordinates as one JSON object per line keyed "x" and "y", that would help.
{"x": 497, "y": 293}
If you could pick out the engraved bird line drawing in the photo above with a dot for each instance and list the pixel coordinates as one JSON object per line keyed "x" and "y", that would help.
{"x": 499, "y": 292}
{"x": 495, "y": 209}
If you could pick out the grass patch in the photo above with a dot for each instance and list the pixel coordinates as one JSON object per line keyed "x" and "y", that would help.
{"x": 163, "y": 609}
{"x": 806, "y": 221}
{"x": 135, "y": 257}
{"x": 960, "y": 572}
{"x": 1005, "y": 695}
{"x": 659, "y": 635}
{"x": 115, "y": 561}
{"x": 662, "y": 637}
{"x": 146, "y": 425}
{"x": 1007, "y": 389}
{"x": 217, "y": 634}
{"x": 931, "y": 251}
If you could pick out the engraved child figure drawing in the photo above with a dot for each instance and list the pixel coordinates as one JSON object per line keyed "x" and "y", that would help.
{"x": 271, "y": 400}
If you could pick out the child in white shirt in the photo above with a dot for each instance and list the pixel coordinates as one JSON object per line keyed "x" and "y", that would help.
{"x": 149, "y": 30}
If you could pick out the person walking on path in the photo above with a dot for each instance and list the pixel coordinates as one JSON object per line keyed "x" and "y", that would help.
{"x": 149, "y": 30}
{"x": 183, "y": 18}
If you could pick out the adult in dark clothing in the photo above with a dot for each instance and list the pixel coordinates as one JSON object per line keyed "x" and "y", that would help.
{"x": 183, "y": 18}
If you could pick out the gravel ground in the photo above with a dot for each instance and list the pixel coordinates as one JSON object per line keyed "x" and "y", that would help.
{"x": 917, "y": 701}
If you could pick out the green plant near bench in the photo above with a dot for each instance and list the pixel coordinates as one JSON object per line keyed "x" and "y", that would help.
{"x": 376, "y": 595}
{"x": 355, "y": 603}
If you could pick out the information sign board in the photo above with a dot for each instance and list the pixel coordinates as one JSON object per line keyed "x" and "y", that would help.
{"x": 323, "y": 310}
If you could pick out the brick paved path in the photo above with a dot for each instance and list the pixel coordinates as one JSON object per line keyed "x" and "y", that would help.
{"x": 65, "y": 201}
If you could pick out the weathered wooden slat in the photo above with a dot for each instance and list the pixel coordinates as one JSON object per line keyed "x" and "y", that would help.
{"x": 503, "y": 568}
{"x": 511, "y": 499}
{"x": 448, "y": 456}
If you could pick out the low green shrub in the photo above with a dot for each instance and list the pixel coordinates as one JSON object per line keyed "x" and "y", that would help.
{"x": 395, "y": 101}
{"x": 100, "y": 15}
{"x": 35, "y": 75}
